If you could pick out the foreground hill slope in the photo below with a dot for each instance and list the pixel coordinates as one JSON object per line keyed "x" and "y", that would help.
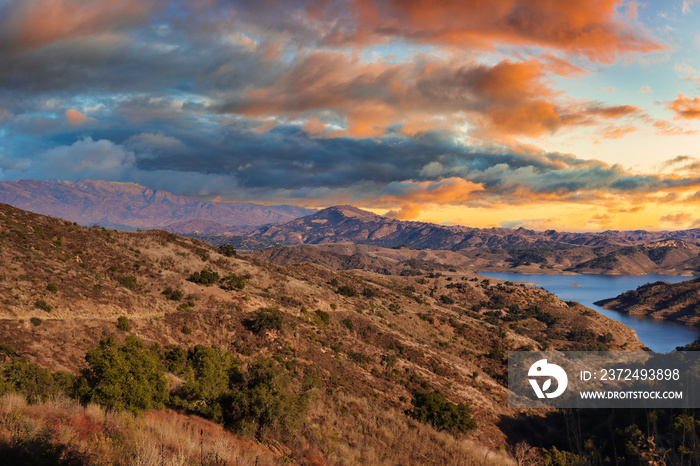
{"x": 368, "y": 341}
{"x": 131, "y": 206}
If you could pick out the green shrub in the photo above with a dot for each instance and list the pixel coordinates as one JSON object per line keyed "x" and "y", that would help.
{"x": 43, "y": 305}
{"x": 32, "y": 380}
{"x": 446, "y": 299}
{"x": 173, "y": 295}
{"x": 233, "y": 281}
{"x": 128, "y": 282}
{"x": 346, "y": 290}
{"x": 206, "y": 381}
{"x": 35, "y": 321}
{"x": 52, "y": 288}
{"x": 227, "y": 250}
{"x": 123, "y": 324}
{"x": 186, "y": 330}
{"x": 185, "y": 306}
{"x": 323, "y": 317}
{"x": 359, "y": 357}
{"x": 266, "y": 319}
{"x": 263, "y": 403}
{"x": 205, "y": 277}
{"x": 349, "y": 323}
{"x": 435, "y": 409}
{"x": 123, "y": 377}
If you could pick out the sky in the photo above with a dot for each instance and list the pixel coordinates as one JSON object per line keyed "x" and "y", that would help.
{"x": 543, "y": 114}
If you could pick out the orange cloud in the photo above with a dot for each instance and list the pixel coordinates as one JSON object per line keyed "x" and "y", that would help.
{"x": 591, "y": 27}
{"x": 677, "y": 219}
{"x": 614, "y": 132}
{"x": 509, "y": 98}
{"x": 685, "y": 107}
{"x": 410, "y": 194}
{"x": 36, "y": 23}
{"x": 405, "y": 212}
{"x": 75, "y": 118}
{"x": 668, "y": 129}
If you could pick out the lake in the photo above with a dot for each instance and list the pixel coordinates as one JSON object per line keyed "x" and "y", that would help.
{"x": 660, "y": 336}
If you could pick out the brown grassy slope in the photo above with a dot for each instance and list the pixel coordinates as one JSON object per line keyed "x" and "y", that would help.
{"x": 446, "y": 331}
{"x": 62, "y": 428}
{"x": 679, "y": 302}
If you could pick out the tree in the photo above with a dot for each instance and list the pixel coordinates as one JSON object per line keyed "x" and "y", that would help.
{"x": 264, "y": 405}
{"x": 434, "y": 408}
{"x": 123, "y": 377}
{"x": 206, "y": 380}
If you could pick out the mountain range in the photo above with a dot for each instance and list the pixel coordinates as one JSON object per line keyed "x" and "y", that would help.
{"x": 350, "y": 224}
{"x": 131, "y": 206}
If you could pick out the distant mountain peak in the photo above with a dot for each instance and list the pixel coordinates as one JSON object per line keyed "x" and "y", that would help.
{"x": 349, "y": 211}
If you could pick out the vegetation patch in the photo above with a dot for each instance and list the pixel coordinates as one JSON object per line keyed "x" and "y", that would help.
{"x": 434, "y": 408}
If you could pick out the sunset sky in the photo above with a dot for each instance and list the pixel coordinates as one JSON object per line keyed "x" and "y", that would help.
{"x": 571, "y": 115}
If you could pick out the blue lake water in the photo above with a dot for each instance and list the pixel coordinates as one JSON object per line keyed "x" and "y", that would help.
{"x": 660, "y": 336}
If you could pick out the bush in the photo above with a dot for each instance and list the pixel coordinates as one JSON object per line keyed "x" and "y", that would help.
{"x": 227, "y": 250}
{"x": 186, "y": 330}
{"x": 35, "y": 382}
{"x": 123, "y": 377}
{"x": 264, "y": 404}
{"x": 446, "y": 299}
{"x": 205, "y": 277}
{"x": 123, "y": 324}
{"x": 346, "y": 290}
{"x": 128, "y": 282}
{"x": 266, "y": 319}
{"x": 349, "y": 323}
{"x": 233, "y": 281}
{"x": 206, "y": 381}
{"x": 43, "y": 305}
{"x": 35, "y": 321}
{"x": 323, "y": 317}
{"x": 52, "y": 288}
{"x": 173, "y": 295}
{"x": 435, "y": 409}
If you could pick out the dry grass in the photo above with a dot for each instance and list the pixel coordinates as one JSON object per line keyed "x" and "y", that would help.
{"x": 355, "y": 431}
{"x": 61, "y": 431}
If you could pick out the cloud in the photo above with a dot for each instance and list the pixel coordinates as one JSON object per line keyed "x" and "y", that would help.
{"x": 669, "y": 129}
{"x": 75, "y": 118}
{"x": 589, "y": 28}
{"x": 531, "y": 224}
{"x": 685, "y": 107}
{"x": 687, "y": 6}
{"x": 37, "y": 23}
{"x": 86, "y": 159}
{"x": 370, "y": 99}
{"x": 677, "y": 219}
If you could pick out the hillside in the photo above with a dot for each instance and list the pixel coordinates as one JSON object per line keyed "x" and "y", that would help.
{"x": 678, "y": 302}
{"x": 130, "y": 206}
{"x": 360, "y": 344}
